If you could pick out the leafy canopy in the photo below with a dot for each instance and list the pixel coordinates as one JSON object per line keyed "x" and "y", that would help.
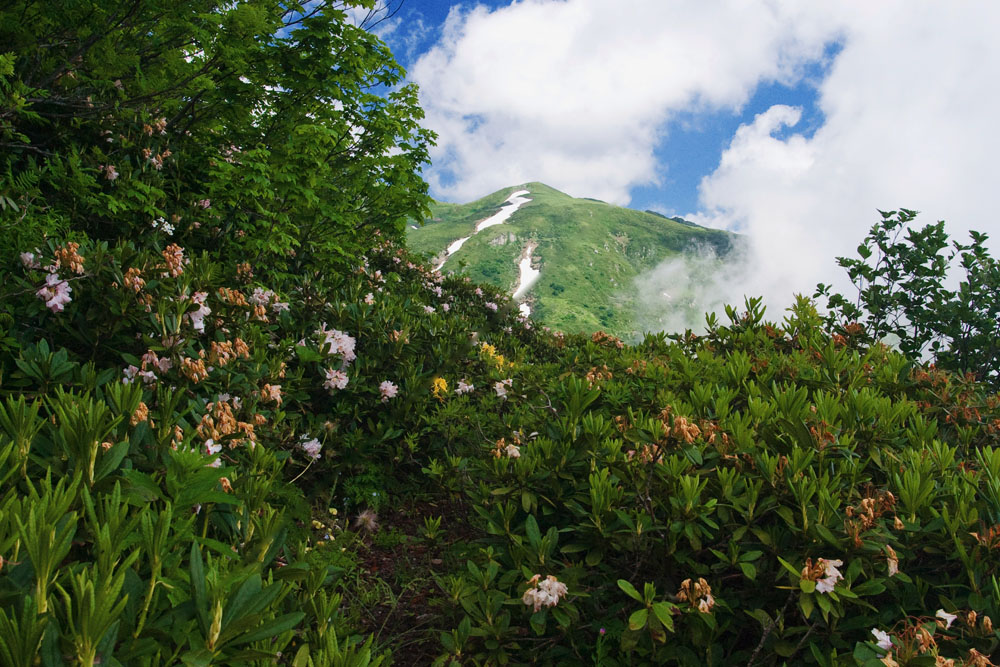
{"x": 262, "y": 129}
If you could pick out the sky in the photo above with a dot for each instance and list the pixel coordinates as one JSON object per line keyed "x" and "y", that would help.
{"x": 792, "y": 123}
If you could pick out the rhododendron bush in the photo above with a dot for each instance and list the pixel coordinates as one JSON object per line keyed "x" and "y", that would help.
{"x": 241, "y": 424}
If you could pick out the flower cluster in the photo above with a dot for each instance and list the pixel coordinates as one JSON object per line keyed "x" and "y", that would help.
{"x": 544, "y": 593}
{"x": 698, "y": 594}
{"x": 824, "y": 573}
{"x": 337, "y": 342}
{"x": 463, "y": 388}
{"x": 501, "y": 387}
{"x": 55, "y": 293}
{"x": 173, "y": 255}
{"x": 335, "y": 379}
{"x": 311, "y": 446}
{"x": 388, "y": 390}
{"x": 265, "y": 297}
{"x": 439, "y": 387}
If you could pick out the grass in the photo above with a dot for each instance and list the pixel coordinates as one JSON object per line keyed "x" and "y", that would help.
{"x": 590, "y": 253}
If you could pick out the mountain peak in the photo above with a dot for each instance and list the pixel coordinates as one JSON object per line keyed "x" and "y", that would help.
{"x": 584, "y": 256}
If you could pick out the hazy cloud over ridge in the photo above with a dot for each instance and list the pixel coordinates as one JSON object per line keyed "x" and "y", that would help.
{"x": 910, "y": 108}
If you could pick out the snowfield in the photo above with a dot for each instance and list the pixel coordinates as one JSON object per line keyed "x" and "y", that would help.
{"x": 515, "y": 201}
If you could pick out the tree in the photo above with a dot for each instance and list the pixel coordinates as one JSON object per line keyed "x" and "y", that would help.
{"x": 902, "y": 292}
{"x": 271, "y": 132}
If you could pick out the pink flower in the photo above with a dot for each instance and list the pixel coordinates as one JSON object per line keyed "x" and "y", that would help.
{"x": 479, "y": 291}
{"x": 310, "y": 447}
{"x": 445, "y": 307}
{"x": 428, "y": 309}
{"x": 55, "y": 293}
{"x": 205, "y": 203}
{"x": 388, "y": 390}
{"x": 129, "y": 373}
{"x": 463, "y": 388}
{"x": 110, "y": 172}
{"x": 197, "y": 317}
{"x": 335, "y": 379}
{"x": 29, "y": 261}
{"x": 492, "y": 306}
{"x": 501, "y": 387}
{"x": 271, "y": 392}
{"x": 338, "y": 342}
{"x": 883, "y": 640}
{"x": 369, "y": 298}
{"x": 513, "y": 451}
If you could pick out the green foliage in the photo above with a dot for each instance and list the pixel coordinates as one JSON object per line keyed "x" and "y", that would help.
{"x": 903, "y": 292}
{"x": 198, "y": 426}
{"x": 273, "y": 133}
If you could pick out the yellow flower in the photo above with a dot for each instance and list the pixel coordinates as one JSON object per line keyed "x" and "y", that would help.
{"x": 440, "y": 388}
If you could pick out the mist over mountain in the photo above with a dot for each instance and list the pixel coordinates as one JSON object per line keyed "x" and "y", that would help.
{"x": 581, "y": 264}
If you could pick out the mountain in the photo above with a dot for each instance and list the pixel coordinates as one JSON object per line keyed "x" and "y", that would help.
{"x": 587, "y": 253}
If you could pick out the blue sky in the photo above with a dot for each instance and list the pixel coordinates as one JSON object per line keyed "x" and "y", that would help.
{"x": 790, "y": 122}
{"x": 693, "y": 141}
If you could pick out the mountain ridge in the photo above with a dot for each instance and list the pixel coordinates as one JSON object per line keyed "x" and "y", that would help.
{"x": 588, "y": 252}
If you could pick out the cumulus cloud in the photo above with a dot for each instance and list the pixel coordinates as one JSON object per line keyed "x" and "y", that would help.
{"x": 577, "y": 93}
{"x": 910, "y": 108}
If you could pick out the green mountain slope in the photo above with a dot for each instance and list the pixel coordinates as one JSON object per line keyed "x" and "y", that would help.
{"x": 588, "y": 252}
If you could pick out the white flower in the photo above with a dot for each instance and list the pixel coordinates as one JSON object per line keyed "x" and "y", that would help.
{"x": 163, "y": 226}
{"x": 428, "y": 309}
{"x": 513, "y": 451}
{"x": 884, "y": 642}
{"x": 892, "y": 560}
{"x": 946, "y": 617}
{"x": 501, "y": 387}
{"x": 445, "y": 307}
{"x": 543, "y": 593}
{"x": 833, "y": 575}
{"x": 210, "y": 449}
{"x": 463, "y": 388}
{"x": 369, "y": 298}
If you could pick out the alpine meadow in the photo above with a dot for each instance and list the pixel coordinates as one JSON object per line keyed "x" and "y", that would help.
{"x": 257, "y": 407}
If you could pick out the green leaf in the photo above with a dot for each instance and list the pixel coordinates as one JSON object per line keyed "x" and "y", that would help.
{"x": 664, "y": 613}
{"x": 629, "y": 590}
{"x": 531, "y": 529}
{"x": 273, "y": 627}
{"x": 637, "y": 621}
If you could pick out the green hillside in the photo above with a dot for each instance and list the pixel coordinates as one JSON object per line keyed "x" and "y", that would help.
{"x": 588, "y": 252}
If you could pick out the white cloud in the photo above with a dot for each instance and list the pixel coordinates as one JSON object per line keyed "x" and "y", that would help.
{"x": 576, "y": 93}
{"x": 910, "y": 109}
